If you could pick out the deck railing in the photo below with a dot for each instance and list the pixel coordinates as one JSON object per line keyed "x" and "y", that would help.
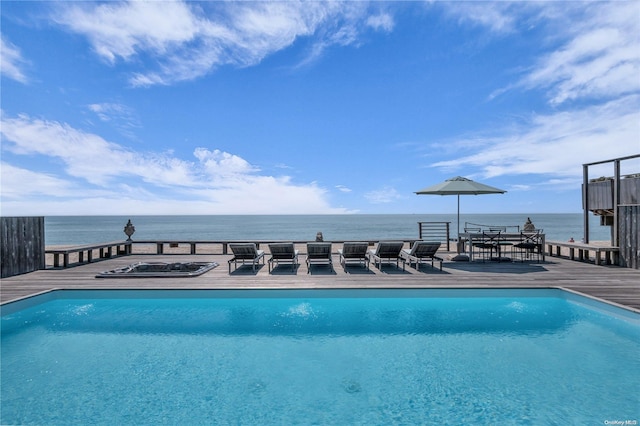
{"x": 503, "y": 228}
{"x": 223, "y": 245}
{"x": 77, "y": 255}
{"x": 435, "y": 231}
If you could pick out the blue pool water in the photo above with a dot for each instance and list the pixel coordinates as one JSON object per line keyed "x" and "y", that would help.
{"x": 318, "y": 357}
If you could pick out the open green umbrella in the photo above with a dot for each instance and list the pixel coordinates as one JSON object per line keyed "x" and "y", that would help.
{"x": 459, "y": 186}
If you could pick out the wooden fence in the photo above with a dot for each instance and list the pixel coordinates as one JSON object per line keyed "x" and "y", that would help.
{"x": 601, "y": 193}
{"x": 629, "y": 225}
{"x": 22, "y": 245}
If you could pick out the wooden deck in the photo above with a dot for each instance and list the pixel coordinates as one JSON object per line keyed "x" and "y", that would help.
{"x": 612, "y": 283}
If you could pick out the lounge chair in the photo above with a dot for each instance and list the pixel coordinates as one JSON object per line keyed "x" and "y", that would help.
{"x": 354, "y": 252}
{"x": 283, "y": 253}
{"x": 422, "y": 250}
{"x": 245, "y": 253}
{"x": 387, "y": 251}
{"x": 318, "y": 254}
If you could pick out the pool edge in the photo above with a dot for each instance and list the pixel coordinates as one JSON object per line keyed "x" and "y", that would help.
{"x": 563, "y": 291}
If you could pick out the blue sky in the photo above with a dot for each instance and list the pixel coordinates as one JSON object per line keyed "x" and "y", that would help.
{"x": 126, "y": 108}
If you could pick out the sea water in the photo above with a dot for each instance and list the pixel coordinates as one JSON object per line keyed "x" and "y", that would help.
{"x": 92, "y": 229}
{"x": 373, "y": 357}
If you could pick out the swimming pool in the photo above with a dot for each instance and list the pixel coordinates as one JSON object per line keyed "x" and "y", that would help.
{"x": 318, "y": 357}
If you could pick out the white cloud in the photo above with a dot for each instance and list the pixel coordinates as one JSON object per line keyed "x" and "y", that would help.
{"x": 554, "y": 144}
{"x": 499, "y": 17}
{"x": 383, "y": 195}
{"x": 18, "y": 182}
{"x": 282, "y": 166}
{"x": 188, "y": 41}
{"x": 601, "y": 59}
{"x": 343, "y": 188}
{"x": 521, "y": 188}
{"x": 106, "y": 111}
{"x": 120, "y": 117}
{"x": 87, "y": 155}
{"x": 103, "y": 176}
{"x": 170, "y": 32}
{"x": 11, "y": 61}
{"x": 122, "y": 29}
{"x": 592, "y": 57}
{"x": 383, "y": 22}
{"x": 594, "y": 47}
{"x": 223, "y": 165}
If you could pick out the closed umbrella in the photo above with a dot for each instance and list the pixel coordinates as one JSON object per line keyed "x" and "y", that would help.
{"x": 459, "y": 186}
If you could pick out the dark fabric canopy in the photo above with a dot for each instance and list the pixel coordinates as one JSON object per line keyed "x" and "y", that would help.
{"x": 459, "y": 186}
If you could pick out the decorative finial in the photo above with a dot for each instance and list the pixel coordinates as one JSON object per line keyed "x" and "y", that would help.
{"x": 129, "y": 229}
{"x": 529, "y": 226}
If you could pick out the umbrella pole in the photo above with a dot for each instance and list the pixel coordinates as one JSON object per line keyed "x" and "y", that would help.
{"x": 458, "y": 248}
{"x": 458, "y": 217}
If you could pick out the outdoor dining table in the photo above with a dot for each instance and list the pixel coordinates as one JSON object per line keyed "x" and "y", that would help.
{"x": 471, "y": 238}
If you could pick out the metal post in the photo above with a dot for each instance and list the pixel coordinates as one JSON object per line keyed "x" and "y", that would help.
{"x": 448, "y": 236}
{"x": 585, "y": 201}
{"x": 458, "y": 216}
{"x": 615, "y": 234}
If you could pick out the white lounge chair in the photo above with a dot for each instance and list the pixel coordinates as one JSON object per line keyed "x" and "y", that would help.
{"x": 354, "y": 252}
{"x": 387, "y": 252}
{"x": 245, "y": 253}
{"x": 319, "y": 254}
{"x": 283, "y": 253}
{"x": 420, "y": 251}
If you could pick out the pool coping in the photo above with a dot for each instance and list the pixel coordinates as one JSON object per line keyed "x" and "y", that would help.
{"x": 590, "y": 301}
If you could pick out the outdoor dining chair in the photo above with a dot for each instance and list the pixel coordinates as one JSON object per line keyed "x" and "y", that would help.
{"x": 529, "y": 247}
{"x": 487, "y": 245}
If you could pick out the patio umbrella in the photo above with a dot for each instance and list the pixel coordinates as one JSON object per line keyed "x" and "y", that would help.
{"x": 459, "y": 186}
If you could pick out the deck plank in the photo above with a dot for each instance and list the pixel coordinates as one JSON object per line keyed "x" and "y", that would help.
{"x": 612, "y": 283}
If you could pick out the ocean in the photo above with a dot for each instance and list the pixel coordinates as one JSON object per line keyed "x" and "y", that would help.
{"x": 71, "y": 230}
